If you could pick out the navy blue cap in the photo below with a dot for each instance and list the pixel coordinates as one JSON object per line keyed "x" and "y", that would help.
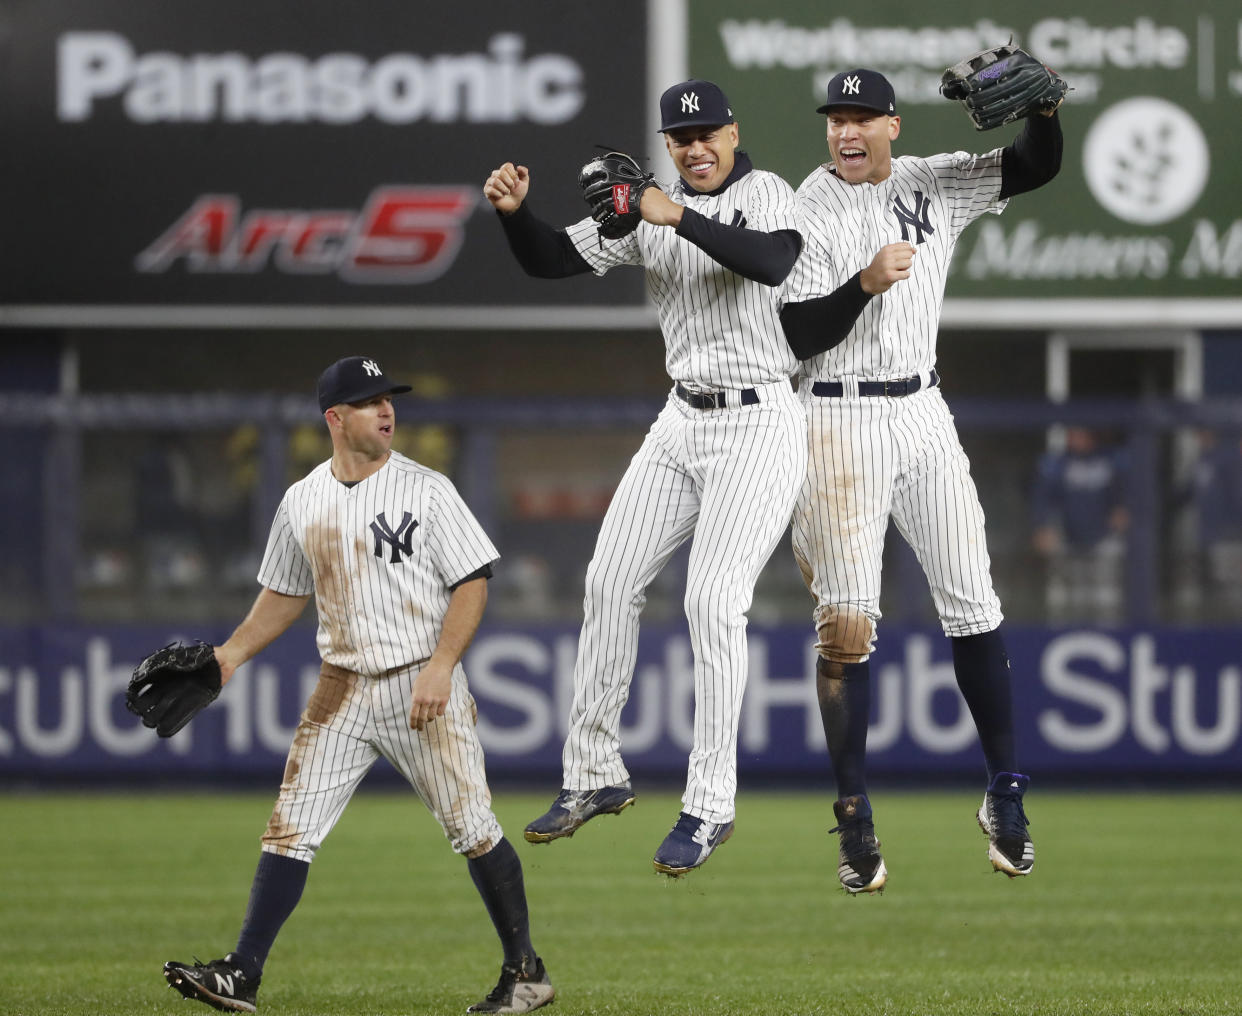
{"x": 694, "y": 103}
{"x": 863, "y": 88}
{"x": 354, "y": 379}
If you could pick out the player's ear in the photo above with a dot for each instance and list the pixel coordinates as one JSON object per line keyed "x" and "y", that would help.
{"x": 734, "y": 133}
{"x": 894, "y": 127}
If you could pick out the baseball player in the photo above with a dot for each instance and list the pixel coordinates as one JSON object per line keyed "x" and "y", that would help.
{"x": 883, "y": 442}
{"x": 398, "y": 567}
{"x": 723, "y": 461}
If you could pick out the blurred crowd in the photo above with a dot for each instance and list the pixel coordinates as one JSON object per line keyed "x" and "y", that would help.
{"x": 175, "y": 528}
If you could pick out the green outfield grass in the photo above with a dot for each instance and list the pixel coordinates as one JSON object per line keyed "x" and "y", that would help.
{"x": 1135, "y": 907}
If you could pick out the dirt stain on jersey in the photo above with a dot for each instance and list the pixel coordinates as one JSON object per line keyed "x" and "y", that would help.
{"x": 281, "y": 835}
{"x": 330, "y": 693}
{"x": 845, "y": 635}
{"x": 829, "y": 502}
{"x": 326, "y": 554}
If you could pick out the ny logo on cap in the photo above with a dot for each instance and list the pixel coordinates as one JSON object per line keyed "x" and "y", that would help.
{"x": 851, "y": 85}
{"x": 372, "y": 368}
{"x": 689, "y": 102}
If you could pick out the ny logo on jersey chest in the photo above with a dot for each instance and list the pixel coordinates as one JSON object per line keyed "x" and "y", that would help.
{"x": 399, "y": 541}
{"x": 918, "y": 218}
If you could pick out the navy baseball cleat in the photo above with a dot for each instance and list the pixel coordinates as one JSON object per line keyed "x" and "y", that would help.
{"x": 1002, "y": 818}
{"x": 519, "y": 989}
{"x": 690, "y": 844}
{"x": 573, "y": 807}
{"x": 220, "y": 983}
{"x": 859, "y": 864}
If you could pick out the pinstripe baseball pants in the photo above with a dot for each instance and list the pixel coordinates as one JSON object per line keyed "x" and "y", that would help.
{"x": 352, "y": 720}
{"x": 730, "y": 476}
{"x": 872, "y": 457}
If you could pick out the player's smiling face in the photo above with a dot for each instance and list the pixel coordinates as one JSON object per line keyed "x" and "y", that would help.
{"x": 703, "y": 155}
{"x": 861, "y": 143}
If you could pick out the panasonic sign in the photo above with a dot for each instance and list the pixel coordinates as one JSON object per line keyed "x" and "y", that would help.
{"x": 501, "y": 85}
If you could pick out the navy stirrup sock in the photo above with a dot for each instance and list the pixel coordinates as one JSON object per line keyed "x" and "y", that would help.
{"x": 277, "y": 887}
{"x": 498, "y": 877}
{"x": 982, "y": 669}
{"x": 845, "y": 709}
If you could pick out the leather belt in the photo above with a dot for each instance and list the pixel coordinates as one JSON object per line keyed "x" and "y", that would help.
{"x": 896, "y": 388}
{"x": 713, "y": 400}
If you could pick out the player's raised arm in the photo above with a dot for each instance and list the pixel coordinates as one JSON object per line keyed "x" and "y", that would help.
{"x": 1033, "y": 157}
{"x": 506, "y": 187}
{"x": 763, "y": 257}
{"x": 815, "y": 326}
{"x": 542, "y": 250}
{"x": 1000, "y": 85}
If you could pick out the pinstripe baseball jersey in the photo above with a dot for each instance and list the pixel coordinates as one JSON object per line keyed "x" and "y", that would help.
{"x": 380, "y": 557}
{"x": 721, "y": 330}
{"x": 925, "y": 201}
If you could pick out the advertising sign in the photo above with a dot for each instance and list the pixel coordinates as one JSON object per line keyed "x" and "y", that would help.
{"x": 248, "y": 154}
{"x": 1146, "y": 204}
{"x": 1088, "y": 704}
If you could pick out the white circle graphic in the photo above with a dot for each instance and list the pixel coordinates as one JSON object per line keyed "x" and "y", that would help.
{"x": 1146, "y": 160}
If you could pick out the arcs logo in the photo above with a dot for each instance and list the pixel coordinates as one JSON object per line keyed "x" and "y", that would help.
{"x": 1146, "y": 160}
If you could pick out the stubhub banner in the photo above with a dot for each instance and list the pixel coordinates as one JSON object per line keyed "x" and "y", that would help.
{"x": 1087, "y": 702}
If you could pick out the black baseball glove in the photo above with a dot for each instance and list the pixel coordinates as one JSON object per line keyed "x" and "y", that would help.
{"x": 613, "y": 186}
{"x": 1003, "y": 84}
{"x": 172, "y": 685}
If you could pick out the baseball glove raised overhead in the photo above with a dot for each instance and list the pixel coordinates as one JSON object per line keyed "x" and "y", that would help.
{"x": 613, "y": 186}
{"x": 173, "y": 685}
{"x": 1003, "y": 84}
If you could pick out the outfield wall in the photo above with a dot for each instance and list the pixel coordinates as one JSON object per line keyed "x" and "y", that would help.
{"x": 1140, "y": 702}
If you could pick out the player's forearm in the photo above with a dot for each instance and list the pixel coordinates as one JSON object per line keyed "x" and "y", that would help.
{"x": 542, "y": 250}
{"x": 1033, "y": 157}
{"x": 461, "y": 621}
{"x": 270, "y": 617}
{"x": 815, "y": 326}
{"x": 761, "y": 257}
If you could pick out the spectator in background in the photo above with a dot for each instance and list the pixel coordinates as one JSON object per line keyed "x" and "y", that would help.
{"x": 167, "y": 515}
{"x": 1080, "y": 520}
{"x": 1215, "y": 496}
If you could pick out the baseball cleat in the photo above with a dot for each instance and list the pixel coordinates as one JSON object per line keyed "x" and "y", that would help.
{"x": 1001, "y": 817}
{"x": 519, "y": 989}
{"x": 690, "y": 844}
{"x": 219, "y": 983}
{"x": 573, "y": 807}
{"x": 859, "y": 864}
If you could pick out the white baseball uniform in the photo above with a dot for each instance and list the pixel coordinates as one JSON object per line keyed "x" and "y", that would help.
{"x": 728, "y": 474}
{"x": 873, "y": 454}
{"x": 381, "y": 557}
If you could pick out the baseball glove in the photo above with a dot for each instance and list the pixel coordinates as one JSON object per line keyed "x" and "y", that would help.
{"x": 173, "y": 685}
{"x": 613, "y": 186}
{"x": 1003, "y": 84}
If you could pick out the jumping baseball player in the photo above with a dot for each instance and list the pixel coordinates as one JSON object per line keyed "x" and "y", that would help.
{"x": 723, "y": 461}
{"x": 883, "y": 442}
{"x": 398, "y": 567}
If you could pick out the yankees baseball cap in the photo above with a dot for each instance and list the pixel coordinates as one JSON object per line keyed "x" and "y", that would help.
{"x": 694, "y": 103}
{"x": 354, "y": 379}
{"x": 863, "y": 88}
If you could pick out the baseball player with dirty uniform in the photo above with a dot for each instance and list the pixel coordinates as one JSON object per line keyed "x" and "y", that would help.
{"x": 723, "y": 461}
{"x": 398, "y": 568}
{"x": 883, "y": 443}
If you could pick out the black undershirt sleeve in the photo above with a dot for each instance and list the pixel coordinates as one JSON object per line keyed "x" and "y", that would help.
{"x": 1033, "y": 157}
{"x": 479, "y": 573}
{"x": 761, "y": 257}
{"x": 815, "y": 326}
{"x": 542, "y": 250}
